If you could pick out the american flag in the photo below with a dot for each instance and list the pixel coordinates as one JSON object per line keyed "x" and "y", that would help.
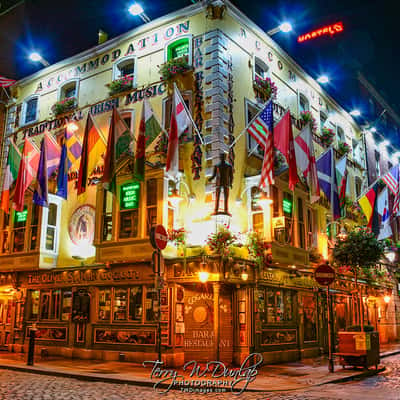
{"x": 5, "y": 82}
{"x": 261, "y": 130}
{"x": 392, "y": 181}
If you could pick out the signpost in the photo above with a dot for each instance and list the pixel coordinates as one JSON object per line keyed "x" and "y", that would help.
{"x": 159, "y": 240}
{"x": 325, "y": 275}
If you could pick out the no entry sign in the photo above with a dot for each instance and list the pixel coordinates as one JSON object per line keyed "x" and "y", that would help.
{"x": 324, "y": 274}
{"x": 158, "y": 237}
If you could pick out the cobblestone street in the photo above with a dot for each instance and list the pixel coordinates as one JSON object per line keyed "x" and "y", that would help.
{"x": 26, "y": 386}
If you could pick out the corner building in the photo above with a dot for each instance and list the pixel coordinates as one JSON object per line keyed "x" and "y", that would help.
{"x": 82, "y": 268}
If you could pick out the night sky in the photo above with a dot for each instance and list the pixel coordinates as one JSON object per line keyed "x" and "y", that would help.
{"x": 370, "y": 42}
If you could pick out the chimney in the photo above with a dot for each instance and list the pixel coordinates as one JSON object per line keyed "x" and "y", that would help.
{"x": 103, "y": 36}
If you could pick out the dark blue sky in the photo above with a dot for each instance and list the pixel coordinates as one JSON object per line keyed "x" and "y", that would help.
{"x": 370, "y": 42}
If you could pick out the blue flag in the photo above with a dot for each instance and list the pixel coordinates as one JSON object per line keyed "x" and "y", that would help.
{"x": 327, "y": 180}
{"x": 62, "y": 177}
{"x": 40, "y": 196}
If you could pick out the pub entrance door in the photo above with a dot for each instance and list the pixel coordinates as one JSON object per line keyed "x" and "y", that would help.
{"x": 200, "y": 324}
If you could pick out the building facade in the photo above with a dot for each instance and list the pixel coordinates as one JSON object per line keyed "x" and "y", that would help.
{"x": 82, "y": 269}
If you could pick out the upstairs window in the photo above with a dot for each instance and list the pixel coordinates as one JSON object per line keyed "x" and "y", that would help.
{"x": 340, "y": 134}
{"x": 180, "y": 48}
{"x": 257, "y": 214}
{"x": 30, "y": 110}
{"x": 260, "y": 68}
{"x": 304, "y": 104}
{"x": 252, "y": 145}
{"x": 377, "y": 163}
{"x": 126, "y": 67}
{"x": 68, "y": 90}
{"x": 51, "y": 225}
{"x": 322, "y": 120}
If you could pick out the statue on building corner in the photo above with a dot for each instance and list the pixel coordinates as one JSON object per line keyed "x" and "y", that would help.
{"x": 223, "y": 173}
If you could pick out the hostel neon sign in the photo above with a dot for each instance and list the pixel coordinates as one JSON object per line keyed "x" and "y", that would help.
{"x": 326, "y": 30}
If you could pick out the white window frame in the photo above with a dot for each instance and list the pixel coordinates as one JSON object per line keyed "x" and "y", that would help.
{"x": 302, "y": 95}
{"x": 264, "y": 65}
{"x": 24, "y": 107}
{"x": 190, "y": 38}
{"x": 116, "y": 71}
{"x": 45, "y": 214}
{"x": 67, "y": 83}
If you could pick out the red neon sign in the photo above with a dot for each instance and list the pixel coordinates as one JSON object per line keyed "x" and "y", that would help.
{"x": 326, "y": 30}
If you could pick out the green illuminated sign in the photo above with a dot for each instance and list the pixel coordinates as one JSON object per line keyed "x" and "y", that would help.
{"x": 179, "y": 48}
{"x": 287, "y": 206}
{"x": 21, "y": 216}
{"x": 130, "y": 195}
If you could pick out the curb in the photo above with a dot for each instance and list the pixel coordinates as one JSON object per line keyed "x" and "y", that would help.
{"x": 389, "y": 354}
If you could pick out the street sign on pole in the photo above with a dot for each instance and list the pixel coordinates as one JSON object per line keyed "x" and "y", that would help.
{"x": 158, "y": 237}
{"x": 324, "y": 274}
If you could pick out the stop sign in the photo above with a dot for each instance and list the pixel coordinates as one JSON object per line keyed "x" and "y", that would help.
{"x": 158, "y": 237}
{"x": 324, "y": 274}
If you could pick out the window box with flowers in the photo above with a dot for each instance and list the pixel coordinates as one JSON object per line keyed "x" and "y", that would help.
{"x": 307, "y": 117}
{"x": 120, "y": 85}
{"x": 64, "y": 106}
{"x": 174, "y": 68}
{"x": 259, "y": 249}
{"x": 222, "y": 242}
{"x": 343, "y": 148}
{"x": 264, "y": 88}
{"x": 327, "y": 136}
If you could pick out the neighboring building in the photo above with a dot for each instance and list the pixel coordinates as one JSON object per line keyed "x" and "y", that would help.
{"x": 82, "y": 268}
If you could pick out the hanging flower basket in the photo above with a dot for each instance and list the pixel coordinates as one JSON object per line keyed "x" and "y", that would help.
{"x": 177, "y": 236}
{"x": 174, "y": 68}
{"x": 264, "y": 89}
{"x": 120, "y": 85}
{"x": 343, "y": 148}
{"x": 220, "y": 243}
{"x": 306, "y": 117}
{"x": 258, "y": 249}
{"x": 64, "y": 106}
{"x": 327, "y": 136}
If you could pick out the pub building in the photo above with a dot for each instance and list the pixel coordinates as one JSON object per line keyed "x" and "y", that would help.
{"x": 81, "y": 269}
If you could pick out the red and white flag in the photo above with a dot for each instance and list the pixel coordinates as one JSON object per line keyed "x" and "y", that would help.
{"x": 27, "y": 172}
{"x": 180, "y": 121}
{"x": 5, "y": 82}
{"x": 305, "y": 159}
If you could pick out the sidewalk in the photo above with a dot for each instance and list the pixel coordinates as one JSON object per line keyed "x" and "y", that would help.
{"x": 279, "y": 377}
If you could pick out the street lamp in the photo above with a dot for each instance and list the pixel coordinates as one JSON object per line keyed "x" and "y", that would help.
{"x": 36, "y": 57}
{"x": 137, "y": 10}
{"x": 323, "y": 79}
{"x": 283, "y": 27}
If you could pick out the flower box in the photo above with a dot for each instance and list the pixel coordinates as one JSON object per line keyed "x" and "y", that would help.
{"x": 264, "y": 88}
{"x": 343, "y": 148}
{"x": 307, "y": 117}
{"x": 174, "y": 68}
{"x": 64, "y": 106}
{"x": 327, "y": 136}
{"x": 120, "y": 85}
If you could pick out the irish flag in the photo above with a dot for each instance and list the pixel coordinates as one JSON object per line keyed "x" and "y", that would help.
{"x": 10, "y": 175}
{"x": 153, "y": 128}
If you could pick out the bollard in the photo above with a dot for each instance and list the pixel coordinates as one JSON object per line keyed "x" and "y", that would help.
{"x": 31, "y": 350}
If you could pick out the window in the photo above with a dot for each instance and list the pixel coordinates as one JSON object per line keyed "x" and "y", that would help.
{"x": 151, "y": 204}
{"x": 129, "y": 210}
{"x": 377, "y": 163}
{"x": 34, "y": 296}
{"x": 304, "y": 104}
{"x": 310, "y": 318}
{"x": 287, "y": 206}
{"x": 30, "y": 110}
{"x": 340, "y": 134}
{"x": 18, "y": 231}
{"x": 257, "y": 214}
{"x": 322, "y": 119}
{"x": 180, "y": 48}
{"x": 252, "y": 145}
{"x": 46, "y": 304}
{"x": 128, "y": 117}
{"x": 68, "y": 90}
{"x": 50, "y": 304}
{"x": 358, "y": 185}
{"x": 278, "y": 305}
{"x": 50, "y": 225}
{"x": 301, "y": 223}
{"x": 4, "y": 232}
{"x": 260, "y": 68}
{"x": 311, "y": 229}
{"x": 125, "y": 67}
{"x": 107, "y": 216}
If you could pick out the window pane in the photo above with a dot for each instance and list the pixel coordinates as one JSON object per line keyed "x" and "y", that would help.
{"x": 135, "y": 303}
{"x": 151, "y": 218}
{"x": 34, "y": 311}
{"x": 258, "y": 222}
{"x": 52, "y": 217}
{"x": 179, "y": 48}
{"x": 170, "y": 218}
{"x": 151, "y": 192}
{"x": 66, "y": 305}
{"x": 127, "y": 67}
{"x": 45, "y": 305}
{"x": 50, "y": 236}
{"x": 104, "y": 304}
{"x": 31, "y": 107}
{"x": 120, "y": 304}
{"x": 128, "y": 224}
{"x": 151, "y": 304}
{"x": 55, "y": 304}
{"x": 107, "y": 219}
{"x": 70, "y": 91}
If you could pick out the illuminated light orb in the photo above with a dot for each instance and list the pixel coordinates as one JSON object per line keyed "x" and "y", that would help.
{"x": 203, "y": 276}
{"x": 286, "y": 27}
{"x": 135, "y": 9}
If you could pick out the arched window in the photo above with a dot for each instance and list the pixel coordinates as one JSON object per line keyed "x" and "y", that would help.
{"x": 30, "y": 110}
{"x": 260, "y": 68}
{"x": 68, "y": 89}
{"x": 125, "y": 67}
{"x": 304, "y": 104}
{"x": 179, "y": 48}
{"x": 340, "y": 134}
{"x": 322, "y": 119}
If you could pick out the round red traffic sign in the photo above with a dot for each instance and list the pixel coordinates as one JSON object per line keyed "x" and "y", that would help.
{"x": 158, "y": 237}
{"x": 324, "y": 274}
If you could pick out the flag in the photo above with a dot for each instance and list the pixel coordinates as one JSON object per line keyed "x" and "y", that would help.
{"x": 283, "y": 141}
{"x": 141, "y": 147}
{"x": 367, "y": 204}
{"x": 62, "y": 176}
{"x": 119, "y": 143}
{"x": 10, "y": 175}
{"x": 327, "y": 180}
{"x": 392, "y": 181}
{"x": 341, "y": 179}
{"x": 40, "y": 195}
{"x": 74, "y": 148}
{"x": 93, "y": 148}
{"x": 261, "y": 129}
{"x": 26, "y": 173}
{"x": 53, "y": 154}
{"x": 5, "y": 82}
{"x": 385, "y": 230}
{"x": 305, "y": 158}
{"x": 153, "y": 128}
{"x": 182, "y": 117}
{"x": 173, "y": 148}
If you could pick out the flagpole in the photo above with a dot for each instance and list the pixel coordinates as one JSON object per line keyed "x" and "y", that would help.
{"x": 189, "y": 114}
